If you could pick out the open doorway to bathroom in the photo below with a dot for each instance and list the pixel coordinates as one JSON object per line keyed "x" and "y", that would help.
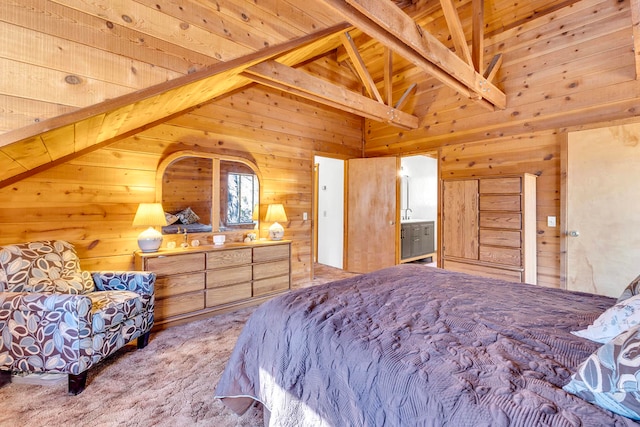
{"x": 329, "y": 211}
{"x": 419, "y": 208}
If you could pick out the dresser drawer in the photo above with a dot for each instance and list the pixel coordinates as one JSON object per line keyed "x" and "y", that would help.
{"x": 175, "y": 264}
{"x": 510, "y": 220}
{"x": 500, "y": 238}
{"x": 270, "y": 269}
{"x": 504, "y": 256}
{"x": 500, "y": 185}
{"x": 228, "y": 276}
{"x": 227, "y": 294}
{"x": 273, "y": 284}
{"x": 268, "y": 253}
{"x": 179, "y": 304}
{"x": 229, "y": 258}
{"x": 173, "y": 285}
{"x": 500, "y": 203}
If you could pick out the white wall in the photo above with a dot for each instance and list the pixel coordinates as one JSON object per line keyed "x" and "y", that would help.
{"x": 422, "y": 173}
{"x": 330, "y": 211}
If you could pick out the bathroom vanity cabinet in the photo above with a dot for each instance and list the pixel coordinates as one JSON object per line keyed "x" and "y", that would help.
{"x": 417, "y": 239}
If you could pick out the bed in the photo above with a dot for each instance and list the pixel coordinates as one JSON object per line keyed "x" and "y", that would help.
{"x": 413, "y": 345}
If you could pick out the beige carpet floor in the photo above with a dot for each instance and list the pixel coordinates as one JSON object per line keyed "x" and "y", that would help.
{"x": 171, "y": 382}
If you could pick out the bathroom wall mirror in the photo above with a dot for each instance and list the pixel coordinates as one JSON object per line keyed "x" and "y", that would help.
{"x": 206, "y": 192}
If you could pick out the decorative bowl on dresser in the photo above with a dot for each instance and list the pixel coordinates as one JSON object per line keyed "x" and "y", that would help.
{"x": 198, "y": 282}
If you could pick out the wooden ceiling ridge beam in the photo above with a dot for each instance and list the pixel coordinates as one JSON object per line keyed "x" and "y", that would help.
{"x": 392, "y": 27}
{"x": 360, "y": 67}
{"x": 300, "y": 83}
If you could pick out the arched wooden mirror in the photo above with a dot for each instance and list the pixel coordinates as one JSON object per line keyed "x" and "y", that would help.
{"x": 222, "y": 191}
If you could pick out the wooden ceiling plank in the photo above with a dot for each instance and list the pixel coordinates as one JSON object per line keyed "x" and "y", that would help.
{"x": 308, "y": 86}
{"x": 394, "y": 28}
{"x": 60, "y": 142}
{"x": 388, "y": 75}
{"x": 86, "y": 131}
{"x": 635, "y": 22}
{"x": 360, "y": 67}
{"x": 28, "y": 153}
{"x": 477, "y": 39}
{"x": 9, "y": 167}
{"x": 405, "y": 96}
{"x": 455, "y": 28}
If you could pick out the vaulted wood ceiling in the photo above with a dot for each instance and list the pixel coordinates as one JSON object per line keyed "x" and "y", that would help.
{"x": 178, "y": 55}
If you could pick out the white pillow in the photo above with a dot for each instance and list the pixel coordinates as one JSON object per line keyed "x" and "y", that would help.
{"x": 616, "y": 320}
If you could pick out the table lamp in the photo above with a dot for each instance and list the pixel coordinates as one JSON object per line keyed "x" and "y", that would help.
{"x": 149, "y": 215}
{"x": 275, "y": 214}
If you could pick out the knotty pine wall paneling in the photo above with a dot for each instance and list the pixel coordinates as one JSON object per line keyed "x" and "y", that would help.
{"x": 538, "y": 154}
{"x": 92, "y": 200}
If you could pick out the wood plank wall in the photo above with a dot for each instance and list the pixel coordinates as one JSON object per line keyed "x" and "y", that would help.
{"x": 92, "y": 200}
{"x": 538, "y": 154}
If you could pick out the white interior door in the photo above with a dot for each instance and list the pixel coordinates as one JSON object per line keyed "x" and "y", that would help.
{"x": 603, "y": 209}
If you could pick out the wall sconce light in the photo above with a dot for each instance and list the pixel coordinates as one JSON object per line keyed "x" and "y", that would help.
{"x": 275, "y": 214}
{"x": 149, "y": 215}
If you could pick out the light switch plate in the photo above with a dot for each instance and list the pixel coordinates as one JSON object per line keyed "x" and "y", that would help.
{"x": 551, "y": 221}
{"x": 304, "y": 216}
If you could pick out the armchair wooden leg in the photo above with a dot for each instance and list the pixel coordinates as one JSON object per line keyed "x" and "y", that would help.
{"x": 77, "y": 383}
{"x": 5, "y": 377}
{"x": 143, "y": 339}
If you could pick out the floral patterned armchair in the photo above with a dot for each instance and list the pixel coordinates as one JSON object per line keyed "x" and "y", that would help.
{"x": 54, "y": 317}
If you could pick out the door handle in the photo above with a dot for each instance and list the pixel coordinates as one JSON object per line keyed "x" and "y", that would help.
{"x": 573, "y": 233}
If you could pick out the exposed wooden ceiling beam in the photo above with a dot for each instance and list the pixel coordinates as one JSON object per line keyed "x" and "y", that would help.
{"x": 32, "y": 149}
{"x": 392, "y": 27}
{"x": 455, "y": 28}
{"x": 405, "y": 96}
{"x": 494, "y": 66}
{"x": 300, "y": 83}
{"x": 635, "y": 22}
{"x": 477, "y": 38}
{"x": 388, "y": 75}
{"x": 360, "y": 67}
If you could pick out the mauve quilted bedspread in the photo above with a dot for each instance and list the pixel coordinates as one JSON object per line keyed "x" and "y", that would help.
{"x": 416, "y": 346}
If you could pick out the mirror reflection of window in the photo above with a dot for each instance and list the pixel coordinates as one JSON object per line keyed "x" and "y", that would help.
{"x": 242, "y": 197}
{"x": 223, "y": 192}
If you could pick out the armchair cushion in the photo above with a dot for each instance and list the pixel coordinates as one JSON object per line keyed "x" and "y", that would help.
{"x": 111, "y": 308}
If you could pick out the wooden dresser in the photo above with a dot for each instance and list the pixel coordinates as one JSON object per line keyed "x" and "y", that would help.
{"x": 201, "y": 281}
{"x": 489, "y": 226}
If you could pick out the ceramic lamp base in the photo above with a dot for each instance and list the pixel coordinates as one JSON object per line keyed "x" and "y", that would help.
{"x": 150, "y": 240}
{"x": 276, "y": 231}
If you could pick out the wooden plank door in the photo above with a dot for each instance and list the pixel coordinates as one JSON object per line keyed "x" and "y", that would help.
{"x": 460, "y": 219}
{"x": 602, "y": 209}
{"x": 371, "y": 237}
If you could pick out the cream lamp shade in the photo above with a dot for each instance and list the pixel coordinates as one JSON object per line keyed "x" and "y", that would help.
{"x": 276, "y": 214}
{"x": 149, "y": 215}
